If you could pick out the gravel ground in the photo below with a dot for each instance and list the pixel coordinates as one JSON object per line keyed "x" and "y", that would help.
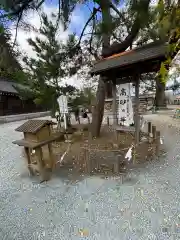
{"x": 145, "y": 206}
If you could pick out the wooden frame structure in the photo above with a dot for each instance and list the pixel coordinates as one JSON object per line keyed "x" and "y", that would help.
{"x": 126, "y": 67}
{"x": 37, "y": 134}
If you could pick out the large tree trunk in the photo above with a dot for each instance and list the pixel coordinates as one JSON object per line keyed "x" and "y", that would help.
{"x": 160, "y": 100}
{"x": 98, "y": 111}
{"x": 108, "y": 89}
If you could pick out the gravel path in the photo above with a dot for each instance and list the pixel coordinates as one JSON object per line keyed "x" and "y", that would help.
{"x": 145, "y": 207}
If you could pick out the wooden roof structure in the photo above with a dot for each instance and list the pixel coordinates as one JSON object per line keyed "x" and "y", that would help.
{"x": 126, "y": 67}
{"x": 140, "y": 60}
{"x": 8, "y": 87}
{"x": 33, "y": 126}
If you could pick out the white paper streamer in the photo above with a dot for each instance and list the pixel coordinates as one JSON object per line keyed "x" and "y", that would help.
{"x": 161, "y": 141}
{"x": 129, "y": 154}
{"x": 64, "y": 154}
{"x": 151, "y": 135}
{"x": 142, "y": 126}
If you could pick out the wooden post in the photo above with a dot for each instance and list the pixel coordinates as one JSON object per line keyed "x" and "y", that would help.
{"x": 158, "y": 135}
{"x": 27, "y": 153}
{"x": 108, "y": 121}
{"x": 41, "y": 165}
{"x": 137, "y": 118}
{"x": 116, "y": 120}
{"x": 87, "y": 161}
{"x": 149, "y": 128}
{"x": 58, "y": 122}
{"x": 154, "y": 133}
{"x": 134, "y": 154}
{"x": 88, "y": 119}
{"x": 154, "y": 140}
{"x": 116, "y": 164}
{"x": 114, "y": 108}
{"x": 51, "y": 156}
{"x": 149, "y": 132}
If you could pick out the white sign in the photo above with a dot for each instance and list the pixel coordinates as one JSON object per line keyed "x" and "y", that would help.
{"x": 63, "y": 104}
{"x": 125, "y": 104}
{"x": 63, "y": 108}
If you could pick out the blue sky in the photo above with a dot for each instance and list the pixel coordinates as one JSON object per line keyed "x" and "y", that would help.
{"x": 82, "y": 11}
{"x": 81, "y": 14}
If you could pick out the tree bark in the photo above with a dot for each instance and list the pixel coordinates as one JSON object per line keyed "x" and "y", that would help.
{"x": 160, "y": 100}
{"x": 98, "y": 111}
{"x": 137, "y": 25}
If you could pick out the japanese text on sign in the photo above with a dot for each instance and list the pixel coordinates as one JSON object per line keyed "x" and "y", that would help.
{"x": 63, "y": 104}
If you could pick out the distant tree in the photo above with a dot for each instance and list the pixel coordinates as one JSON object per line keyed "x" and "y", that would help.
{"x": 52, "y": 63}
{"x": 10, "y": 67}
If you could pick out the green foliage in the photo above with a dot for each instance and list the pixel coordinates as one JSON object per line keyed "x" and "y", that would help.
{"x": 82, "y": 97}
{"x": 163, "y": 73}
{"x": 163, "y": 23}
{"x": 53, "y": 63}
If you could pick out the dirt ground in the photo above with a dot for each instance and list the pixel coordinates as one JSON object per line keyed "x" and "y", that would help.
{"x": 102, "y": 151}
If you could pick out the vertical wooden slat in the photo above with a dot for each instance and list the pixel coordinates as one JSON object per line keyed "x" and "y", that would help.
{"x": 158, "y": 135}
{"x": 149, "y": 128}
{"x": 154, "y": 133}
{"x": 154, "y": 142}
{"x": 87, "y": 161}
{"x": 108, "y": 121}
{"x": 114, "y": 108}
{"x": 116, "y": 164}
{"x": 116, "y": 120}
{"x": 137, "y": 118}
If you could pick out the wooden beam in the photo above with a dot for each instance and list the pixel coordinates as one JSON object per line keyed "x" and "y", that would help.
{"x": 114, "y": 107}
{"x": 124, "y": 73}
{"x": 137, "y": 118}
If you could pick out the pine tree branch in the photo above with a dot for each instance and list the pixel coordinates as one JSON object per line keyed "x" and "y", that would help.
{"x": 90, "y": 47}
{"x": 118, "y": 12}
{"x": 95, "y": 10}
{"x": 16, "y": 31}
{"x": 39, "y": 5}
{"x": 120, "y": 47}
{"x": 18, "y": 11}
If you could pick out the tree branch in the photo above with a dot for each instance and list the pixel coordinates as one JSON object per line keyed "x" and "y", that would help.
{"x": 120, "y": 47}
{"x": 18, "y": 11}
{"x": 118, "y": 12}
{"x": 39, "y": 5}
{"x": 90, "y": 44}
{"x": 88, "y": 21}
{"x": 19, "y": 19}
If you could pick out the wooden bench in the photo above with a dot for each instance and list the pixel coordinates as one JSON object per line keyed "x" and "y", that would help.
{"x": 43, "y": 169}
